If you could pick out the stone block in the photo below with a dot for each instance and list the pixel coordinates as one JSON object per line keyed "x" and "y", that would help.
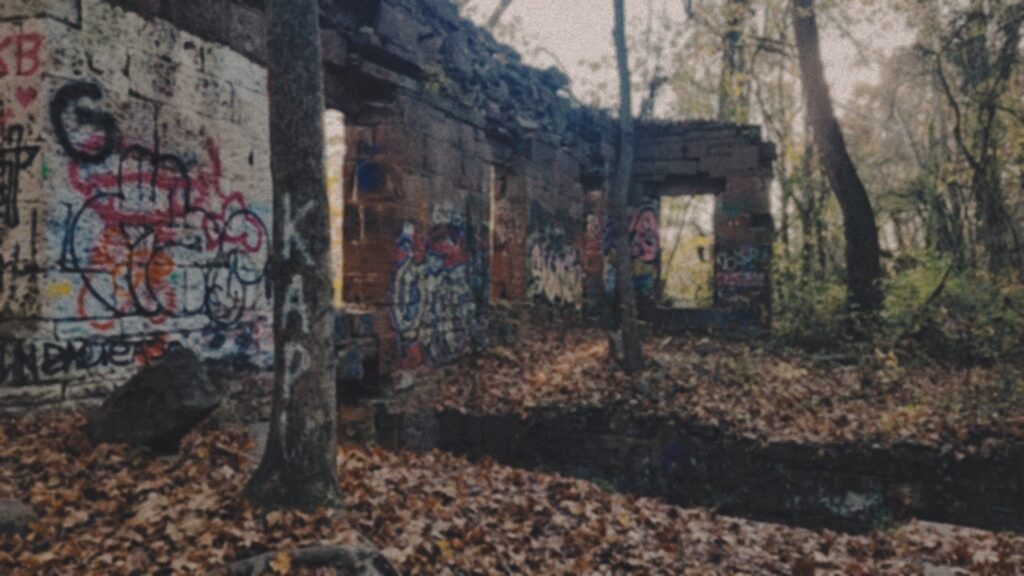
{"x": 159, "y": 405}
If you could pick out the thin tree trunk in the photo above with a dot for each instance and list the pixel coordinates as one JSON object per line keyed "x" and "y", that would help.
{"x": 299, "y": 467}
{"x": 863, "y": 255}
{"x": 787, "y": 196}
{"x": 809, "y": 210}
{"x": 632, "y": 358}
{"x": 734, "y": 83}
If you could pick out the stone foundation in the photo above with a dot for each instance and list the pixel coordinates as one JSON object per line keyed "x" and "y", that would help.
{"x": 846, "y": 487}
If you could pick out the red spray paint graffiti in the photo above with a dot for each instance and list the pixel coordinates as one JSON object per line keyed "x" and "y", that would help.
{"x": 154, "y": 235}
{"x": 21, "y": 54}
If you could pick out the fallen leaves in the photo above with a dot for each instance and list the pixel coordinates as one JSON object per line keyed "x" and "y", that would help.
{"x": 108, "y": 510}
{"x": 755, "y": 393}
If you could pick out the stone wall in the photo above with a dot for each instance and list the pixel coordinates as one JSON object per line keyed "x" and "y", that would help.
{"x": 136, "y": 204}
{"x": 135, "y": 200}
{"x": 417, "y": 231}
{"x": 853, "y": 487}
{"x": 734, "y": 164}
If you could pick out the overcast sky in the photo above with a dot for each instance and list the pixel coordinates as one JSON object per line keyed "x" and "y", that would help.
{"x": 582, "y": 29}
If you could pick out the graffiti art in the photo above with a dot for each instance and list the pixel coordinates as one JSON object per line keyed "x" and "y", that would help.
{"x": 151, "y": 234}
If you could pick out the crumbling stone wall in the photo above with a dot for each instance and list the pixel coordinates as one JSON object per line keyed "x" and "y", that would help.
{"x": 136, "y": 204}
{"x": 734, "y": 164}
{"x": 135, "y": 190}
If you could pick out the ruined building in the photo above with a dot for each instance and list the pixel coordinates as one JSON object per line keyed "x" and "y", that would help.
{"x": 135, "y": 196}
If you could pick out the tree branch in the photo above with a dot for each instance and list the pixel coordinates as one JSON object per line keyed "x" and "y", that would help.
{"x": 498, "y": 13}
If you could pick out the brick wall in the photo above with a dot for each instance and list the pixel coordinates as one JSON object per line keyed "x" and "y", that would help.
{"x": 417, "y": 231}
{"x": 136, "y": 204}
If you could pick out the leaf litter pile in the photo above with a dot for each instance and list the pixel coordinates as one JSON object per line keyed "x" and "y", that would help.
{"x": 109, "y": 510}
{"x": 753, "y": 392}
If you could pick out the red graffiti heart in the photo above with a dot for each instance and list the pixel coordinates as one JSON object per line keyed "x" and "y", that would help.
{"x": 26, "y": 96}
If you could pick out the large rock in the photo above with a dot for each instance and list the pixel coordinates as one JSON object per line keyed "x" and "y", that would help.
{"x": 159, "y": 405}
{"x": 15, "y": 516}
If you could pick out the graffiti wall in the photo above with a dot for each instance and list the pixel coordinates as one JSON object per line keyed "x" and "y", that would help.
{"x": 555, "y": 267}
{"x": 135, "y": 200}
{"x": 645, "y": 250}
{"x": 22, "y": 210}
{"x": 437, "y": 292}
{"x": 743, "y": 252}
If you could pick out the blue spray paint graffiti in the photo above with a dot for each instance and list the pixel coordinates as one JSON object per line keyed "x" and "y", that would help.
{"x": 438, "y": 288}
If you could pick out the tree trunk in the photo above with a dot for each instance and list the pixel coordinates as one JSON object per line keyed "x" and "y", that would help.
{"x": 809, "y": 211}
{"x": 632, "y": 357}
{"x": 734, "y": 83}
{"x": 299, "y": 467}
{"x": 863, "y": 256}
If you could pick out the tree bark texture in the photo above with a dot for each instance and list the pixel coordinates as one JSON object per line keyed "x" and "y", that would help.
{"x": 632, "y": 360}
{"x": 299, "y": 467}
{"x": 734, "y": 84}
{"x": 863, "y": 256}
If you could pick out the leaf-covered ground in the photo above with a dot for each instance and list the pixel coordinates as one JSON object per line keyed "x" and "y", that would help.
{"x": 108, "y": 510}
{"x": 754, "y": 392}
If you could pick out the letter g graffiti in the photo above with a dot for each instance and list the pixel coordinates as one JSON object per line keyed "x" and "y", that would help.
{"x": 86, "y": 135}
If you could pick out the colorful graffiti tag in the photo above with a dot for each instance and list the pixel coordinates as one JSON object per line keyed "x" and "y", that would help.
{"x": 556, "y": 274}
{"x": 741, "y": 274}
{"x": 151, "y": 234}
{"x": 554, "y": 266}
{"x": 645, "y": 249}
{"x": 435, "y": 294}
{"x": 645, "y": 246}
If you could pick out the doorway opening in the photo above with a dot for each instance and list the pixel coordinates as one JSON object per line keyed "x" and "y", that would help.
{"x": 334, "y": 159}
{"x": 687, "y": 256}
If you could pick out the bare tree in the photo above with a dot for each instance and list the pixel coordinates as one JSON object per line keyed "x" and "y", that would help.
{"x": 299, "y": 467}
{"x": 863, "y": 254}
{"x": 986, "y": 62}
{"x": 734, "y": 84}
{"x": 632, "y": 356}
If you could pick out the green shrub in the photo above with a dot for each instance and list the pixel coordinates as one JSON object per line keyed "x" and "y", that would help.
{"x": 972, "y": 319}
{"x": 931, "y": 311}
{"x": 809, "y": 313}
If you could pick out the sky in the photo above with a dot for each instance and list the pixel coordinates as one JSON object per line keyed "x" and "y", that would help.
{"x": 582, "y": 29}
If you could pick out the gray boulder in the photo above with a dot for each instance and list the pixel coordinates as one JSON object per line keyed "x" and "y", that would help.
{"x": 159, "y": 405}
{"x": 15, "y": 516}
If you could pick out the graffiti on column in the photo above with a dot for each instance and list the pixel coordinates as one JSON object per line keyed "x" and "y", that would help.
{"x": 741, "y": 274}
{"x": 435, "y": 292}
{"x": 150, "y": 233}
{"x": 556, "y": 273}
{"x": 645, "y": 249}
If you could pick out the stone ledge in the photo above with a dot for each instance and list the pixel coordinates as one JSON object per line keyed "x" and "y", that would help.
{"x": 845, "y": 487}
